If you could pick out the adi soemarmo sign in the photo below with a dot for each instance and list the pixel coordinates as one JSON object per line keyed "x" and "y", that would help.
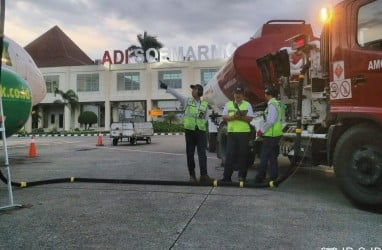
{"x": 202, "y": 52}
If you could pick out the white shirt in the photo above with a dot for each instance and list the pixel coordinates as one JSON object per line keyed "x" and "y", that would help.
{"x": 271, "y": 117}
{"x": 249, "y": 113}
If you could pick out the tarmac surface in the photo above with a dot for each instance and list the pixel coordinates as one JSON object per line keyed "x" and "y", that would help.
{"x": 305, "y": 212}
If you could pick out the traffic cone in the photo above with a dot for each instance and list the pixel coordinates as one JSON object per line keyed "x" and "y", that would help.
{"x": 32, "y": 148}
{"x": 99, "y": 140}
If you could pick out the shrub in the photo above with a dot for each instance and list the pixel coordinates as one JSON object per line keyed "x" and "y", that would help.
{"x": 162, "y": 127}
{"x": 88, "y": 118}
{"x": 52, "y": 130}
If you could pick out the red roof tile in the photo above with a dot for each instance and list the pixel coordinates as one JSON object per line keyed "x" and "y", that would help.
{"x": 54, "y": 49}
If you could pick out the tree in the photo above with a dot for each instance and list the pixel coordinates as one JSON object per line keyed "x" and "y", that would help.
{"x": 171, "y": 118}
{"x": 87, "y": 118}
{"x": 146, "y": 42}
{"x": 70, "y": 97}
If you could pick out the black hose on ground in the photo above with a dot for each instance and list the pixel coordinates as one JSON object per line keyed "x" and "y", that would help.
{"x": 214, "y": 183}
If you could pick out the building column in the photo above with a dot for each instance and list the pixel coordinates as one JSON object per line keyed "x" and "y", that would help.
{"x": 28, "y": 125}
{"x": 149, "y": 90}
{"x": 107, "y": 115}
{"x": 67, "y": 117}
{"x": 114, "y": 112}
{"x": 75, "y": 113}
{"x": 40, "y": 111}
{"x": 107, "y": 78}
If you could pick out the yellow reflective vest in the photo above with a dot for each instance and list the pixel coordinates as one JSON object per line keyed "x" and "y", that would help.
{"x": 276, "y": 129}
{"x": 237, "y": 126}
{"x": 194, "y": 117}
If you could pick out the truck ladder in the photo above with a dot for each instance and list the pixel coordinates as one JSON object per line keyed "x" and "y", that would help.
{"x": 6, "y": 161}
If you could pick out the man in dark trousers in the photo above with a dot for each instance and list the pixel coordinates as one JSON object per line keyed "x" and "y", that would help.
{"x": 195, "y": 116}
{"x": 271, "y": 132}
{"x": 237, "y": 113}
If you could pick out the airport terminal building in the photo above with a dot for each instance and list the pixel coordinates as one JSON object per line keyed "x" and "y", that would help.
{"x": 112, "y": 90}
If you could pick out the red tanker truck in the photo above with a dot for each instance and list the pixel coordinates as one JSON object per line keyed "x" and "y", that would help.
{"x": 331, "y": 89}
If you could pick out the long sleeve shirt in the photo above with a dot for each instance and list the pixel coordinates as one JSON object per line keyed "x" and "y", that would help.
{"x": 271, "y": 117}
{"x": 184, "y": 99}
{"x": 249, "y": 113}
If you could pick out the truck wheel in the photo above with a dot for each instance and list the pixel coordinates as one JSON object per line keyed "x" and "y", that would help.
{"x": 115, "y": 141}
{"x": 212, "y": 142}
{"x": 358, "y": 165}
{"x": 148, "y": 140}
{"x": 133, "y": 141}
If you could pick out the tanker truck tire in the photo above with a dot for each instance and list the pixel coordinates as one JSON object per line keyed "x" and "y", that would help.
{"x": 115, "y": 141}
{"x": 357, "y": 162}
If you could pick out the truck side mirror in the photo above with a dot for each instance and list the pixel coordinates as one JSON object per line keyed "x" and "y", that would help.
{"x": 273, "y": 66}
{"x": 281, "y": 64}
{"x": 263, "y": 64}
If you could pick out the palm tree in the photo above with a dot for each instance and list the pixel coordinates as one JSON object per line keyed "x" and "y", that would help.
{"x": 146, "y": 42}
{"x": 70, "y": 97}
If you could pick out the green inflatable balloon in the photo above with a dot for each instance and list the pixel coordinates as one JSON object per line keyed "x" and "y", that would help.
{"x": 17, "y": 101}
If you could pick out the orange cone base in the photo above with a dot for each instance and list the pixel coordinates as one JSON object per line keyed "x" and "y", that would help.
{"x": 99, "y": 141}
{"x": 32, "y": 150}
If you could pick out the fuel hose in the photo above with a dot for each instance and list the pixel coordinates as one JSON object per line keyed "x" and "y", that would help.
{"x": 215, "y": 183}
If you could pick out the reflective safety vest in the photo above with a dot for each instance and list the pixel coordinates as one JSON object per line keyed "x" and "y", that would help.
{"x": 276, "y": 129}
{"x": 237, "y": 126}
{"x": 194, "y": 117}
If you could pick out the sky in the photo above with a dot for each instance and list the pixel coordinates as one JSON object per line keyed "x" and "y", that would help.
{"x": 99, "y": 25}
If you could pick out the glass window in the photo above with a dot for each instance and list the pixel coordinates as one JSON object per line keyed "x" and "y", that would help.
{"x": 51, "y": 83}
{"x": 173, "y": 78}
{"x": 369, "y": 26}
{"x": 206, "y": 75}
{"x": 134, "y": 111}
{"x": 61, "y": 121}
{"x": 128, "y": 81}
{"x": 87, "y": 82}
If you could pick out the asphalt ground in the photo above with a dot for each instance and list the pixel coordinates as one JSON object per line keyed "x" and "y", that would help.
{"x": 307, "y": 211}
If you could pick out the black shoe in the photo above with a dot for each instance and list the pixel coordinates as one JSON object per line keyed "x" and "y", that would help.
{"x": 273, "y": 178}
{"x": 244, "y": 175}
{"x": 259, "y": 179}
{"x": 193, "y": 178}
{"x": 205, "y": 178}
{"x": 241, "y": 179}
{"x": 226, "y": 180}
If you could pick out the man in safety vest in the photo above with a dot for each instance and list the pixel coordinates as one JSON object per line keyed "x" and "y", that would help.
{"x": 194, "y": 121}
{"x": 271, "y": 132}
{"x": 237, "y": 113}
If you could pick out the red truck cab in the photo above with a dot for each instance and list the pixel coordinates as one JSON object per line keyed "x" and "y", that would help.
{"x": 351, "y": 51}
{"x": 355, "y": 60}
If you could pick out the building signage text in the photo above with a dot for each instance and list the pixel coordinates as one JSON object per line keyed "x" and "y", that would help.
{"x": 202, "y": 52}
